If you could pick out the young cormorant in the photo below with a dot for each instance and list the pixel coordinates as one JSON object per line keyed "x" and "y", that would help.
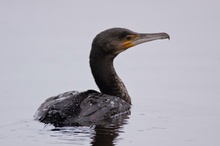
{"x": 91, "y": 107}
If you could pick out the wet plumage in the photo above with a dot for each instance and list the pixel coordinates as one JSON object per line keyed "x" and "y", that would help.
{"x": 91, "y": 107}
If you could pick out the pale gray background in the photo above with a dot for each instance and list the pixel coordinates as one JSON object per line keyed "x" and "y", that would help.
{"x": 174, "y": 85}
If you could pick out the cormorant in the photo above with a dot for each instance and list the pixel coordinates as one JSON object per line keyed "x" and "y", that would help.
{"x": 91, "y": 107}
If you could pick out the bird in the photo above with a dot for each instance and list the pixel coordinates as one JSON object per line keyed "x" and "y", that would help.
{"x": 91, "y": 107}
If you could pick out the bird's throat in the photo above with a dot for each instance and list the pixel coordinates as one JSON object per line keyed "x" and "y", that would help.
{"x": 106, "y": 78}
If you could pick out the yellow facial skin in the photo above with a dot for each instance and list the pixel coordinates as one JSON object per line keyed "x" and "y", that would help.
{"x": 127, "y": 44}
{"x": 129, "y": 41}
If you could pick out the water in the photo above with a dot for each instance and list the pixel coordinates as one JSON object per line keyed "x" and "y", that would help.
{"x": 31, "y": 132}
{"x": 174, "y": 85}
{"x": 153, "y": 123}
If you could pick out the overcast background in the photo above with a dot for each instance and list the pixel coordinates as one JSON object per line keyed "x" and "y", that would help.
{"x": 174, "y": 85}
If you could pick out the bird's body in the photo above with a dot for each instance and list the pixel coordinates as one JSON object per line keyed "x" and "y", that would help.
{"x": 82, "y": 108}
{"x": 91, "y": 107}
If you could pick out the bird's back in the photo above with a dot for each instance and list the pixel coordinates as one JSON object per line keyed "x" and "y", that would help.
{"x": 82, "y": 108}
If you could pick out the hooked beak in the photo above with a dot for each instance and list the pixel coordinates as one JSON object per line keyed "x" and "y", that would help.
{"x": 144, "y": 37}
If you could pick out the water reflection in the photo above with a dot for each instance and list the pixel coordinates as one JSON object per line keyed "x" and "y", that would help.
{"x": 98, "y": 135}
{"x": 35, "y": 133}
{"x": 105, "y": 136}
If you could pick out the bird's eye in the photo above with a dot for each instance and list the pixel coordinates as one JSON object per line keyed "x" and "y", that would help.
{"x": 128, "y": 37}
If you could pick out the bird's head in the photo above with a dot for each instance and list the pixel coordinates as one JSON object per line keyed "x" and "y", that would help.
{"x": 116, "y": 40}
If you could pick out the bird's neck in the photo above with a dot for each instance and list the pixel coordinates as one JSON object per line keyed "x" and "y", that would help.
{"x": 106, "y": 78}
